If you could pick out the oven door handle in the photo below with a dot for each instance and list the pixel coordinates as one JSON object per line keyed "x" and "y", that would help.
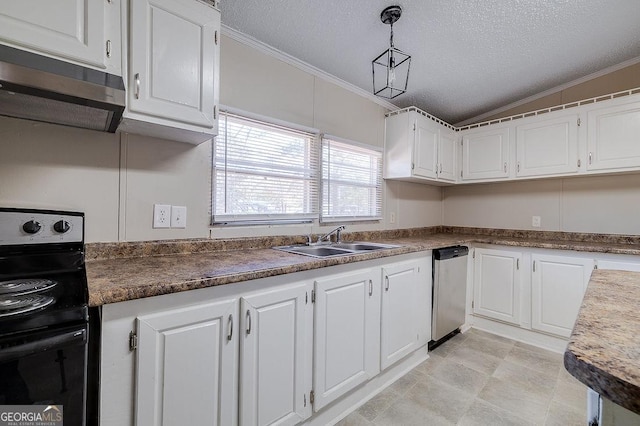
{"x": 67, "y": 338}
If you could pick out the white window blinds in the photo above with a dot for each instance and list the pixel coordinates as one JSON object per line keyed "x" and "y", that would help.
{"x": 264, "y": 172}
{"x": 351, "y": 182}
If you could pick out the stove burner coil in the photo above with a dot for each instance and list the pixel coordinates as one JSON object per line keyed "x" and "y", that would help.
{"x": 14, "y": 305}
{"x": 25, "y": 286}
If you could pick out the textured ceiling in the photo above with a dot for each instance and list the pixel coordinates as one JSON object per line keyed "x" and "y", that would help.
{"x": 468, "y": 56}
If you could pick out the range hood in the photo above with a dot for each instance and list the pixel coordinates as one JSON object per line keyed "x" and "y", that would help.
{"x": 39, "y": 88}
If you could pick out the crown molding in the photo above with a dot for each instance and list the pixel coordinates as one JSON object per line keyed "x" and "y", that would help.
{"x": 551, "y": 91}
{"x": 308, "y": 68}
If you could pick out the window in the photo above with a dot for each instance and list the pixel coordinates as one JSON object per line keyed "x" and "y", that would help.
{"x": 263, "y": 172}
{"x": 351, "y": 181}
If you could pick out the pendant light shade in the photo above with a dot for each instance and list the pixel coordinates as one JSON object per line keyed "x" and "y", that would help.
{"x": 391, "y": 68}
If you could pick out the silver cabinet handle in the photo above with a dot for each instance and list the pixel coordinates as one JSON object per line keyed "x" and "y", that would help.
{"x": 505, "y": 167}
{"x": 534, "y": 266}
{"x": 589, "y": 158}
{"x": 518, "y": 167}
{"x": 370, "y": 288}
{"x": 137, "y": 83}
{"x": 386, "y": 285}
{"x": 517, "y": 263}
{"x": 440, "y": 167}
{"x": 230, "y": 333}
{"x": 248, "y": 321}
{"x": 108, "y": 48}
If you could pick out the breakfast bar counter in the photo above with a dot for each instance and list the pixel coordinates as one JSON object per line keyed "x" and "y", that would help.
{"x": 604, "y": 350}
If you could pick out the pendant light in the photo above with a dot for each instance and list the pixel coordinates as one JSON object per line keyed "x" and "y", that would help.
{"x": 391, "y": 68}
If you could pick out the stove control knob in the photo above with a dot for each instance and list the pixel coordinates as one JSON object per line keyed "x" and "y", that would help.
{"x": 32, "y": 227}
{"x": 61, "y": 226}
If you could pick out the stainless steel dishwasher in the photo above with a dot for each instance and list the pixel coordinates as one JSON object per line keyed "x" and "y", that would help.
{"x": 449, "y": 292}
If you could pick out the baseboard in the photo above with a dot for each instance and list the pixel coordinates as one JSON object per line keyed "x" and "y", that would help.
{"x": 541, "y": 340}
{"x": 344, "y": 406}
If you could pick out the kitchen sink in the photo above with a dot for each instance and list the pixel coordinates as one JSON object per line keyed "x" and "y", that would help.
{"x": 335, "y": 249}
{"x": 363, "y": 246}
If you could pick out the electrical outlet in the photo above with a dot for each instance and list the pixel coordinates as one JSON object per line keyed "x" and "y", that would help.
{"x": 392, "y": 217}
{"x": 535, "y": 221}
{"x": 178, "y": 217}
{"x": 161, "y": 215}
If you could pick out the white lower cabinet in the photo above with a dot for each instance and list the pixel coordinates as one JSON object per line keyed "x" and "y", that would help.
{"x": 186, "y": 366}
{"x": 347, "y": 333}
{"x": 282, "y": 350}
{"x": 535, "y": 290}
{"x": 406, "y": 302}
{"x": 496, "y": 284}
{"x": 558, "y": 284}
{"x": 275, "y": 377}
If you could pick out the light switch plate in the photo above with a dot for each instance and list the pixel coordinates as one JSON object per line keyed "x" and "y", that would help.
{"x": 161, "y": 215}
{"x": 178, "y": 217}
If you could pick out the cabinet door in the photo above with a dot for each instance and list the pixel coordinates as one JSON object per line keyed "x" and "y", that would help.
{"x": 347, "y": 334}
{"x": 496, "y": 284}
{"x": 547, "y": 147}
{"x": 274, "y": 358}
{"x": 557, "y": 286}
{"x": 613, "y": 137}
{"x": 425, "y": 149}
{"x": 404, "y": 310}
{"x": 66, "y": 29}
{"x": 447, "y": 156}
{"x": 186, "y": 366}
{"x": 173, "y": 49}
{"x": 485, "y": 154}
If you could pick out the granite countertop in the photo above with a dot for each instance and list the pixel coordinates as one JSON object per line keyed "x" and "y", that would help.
{"x": 121, "y": 279}
{"x": 118, "y": 272}
{"x": 604, "y": 350}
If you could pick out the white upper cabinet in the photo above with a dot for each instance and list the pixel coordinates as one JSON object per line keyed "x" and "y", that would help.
{"x": 485, "y": 154}
{"x": 186, "y": 366}
{"x": 425, "y": 149}
{"x": 447, "y": 156}
{"x": 418, "y": 149}
{"x": 558, "y": 284}
{"x": 547, "y": 147}
{"x": 275, "y": 359}
{"x": 497, "y": 284}
{"x": 613, "y": 136}
{"x": 173, "y": 69}
{"x": 347, "y": 333}
{"x": 81, "y": 31}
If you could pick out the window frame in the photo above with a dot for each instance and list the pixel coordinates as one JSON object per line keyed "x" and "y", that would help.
{"x": 230, "y": 219}
{"x": 378, "y": 188}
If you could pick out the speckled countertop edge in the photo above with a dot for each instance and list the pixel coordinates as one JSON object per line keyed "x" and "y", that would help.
{"x": 118, "y": 272}
{"x": 604, "y": 349}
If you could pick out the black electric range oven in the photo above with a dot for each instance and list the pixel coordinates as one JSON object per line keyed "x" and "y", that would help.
{"x": 44, "y": 317}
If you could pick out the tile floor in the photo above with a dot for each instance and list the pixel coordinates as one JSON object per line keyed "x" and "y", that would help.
{"x": 478, "y": 378}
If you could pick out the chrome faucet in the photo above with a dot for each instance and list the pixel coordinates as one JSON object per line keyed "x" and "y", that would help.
{"x": 336, "y": 231}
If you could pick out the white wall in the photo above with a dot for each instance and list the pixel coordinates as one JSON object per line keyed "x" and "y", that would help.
{"x": 55, "y": 167}
{"x": 260, "y": 84}
{"x": 598, "y": 204}
{"x": 115, "y": 179}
